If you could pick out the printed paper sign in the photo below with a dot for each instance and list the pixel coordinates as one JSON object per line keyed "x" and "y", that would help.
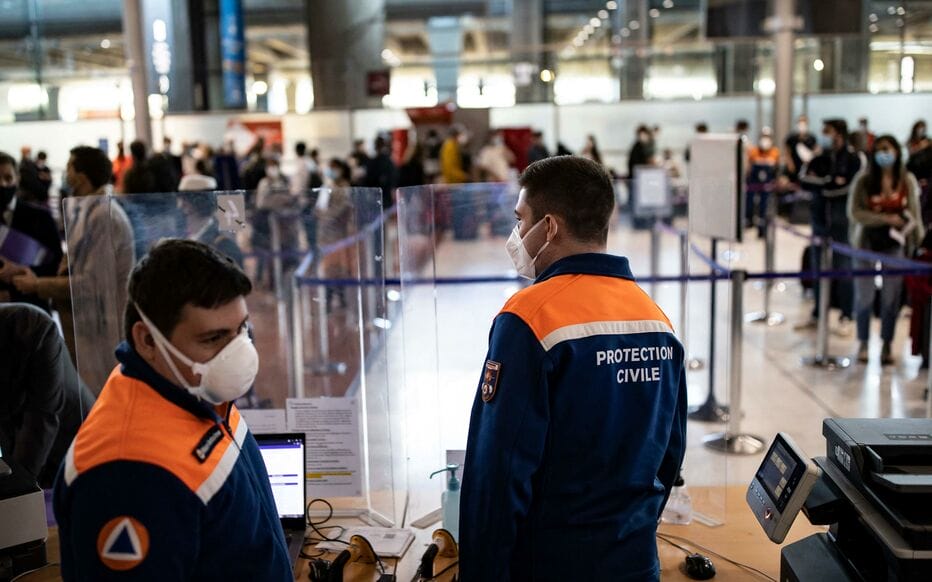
{"x": 331, "y": 427}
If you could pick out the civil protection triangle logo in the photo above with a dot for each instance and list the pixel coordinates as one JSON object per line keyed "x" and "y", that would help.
{"x": 123, "y": 543}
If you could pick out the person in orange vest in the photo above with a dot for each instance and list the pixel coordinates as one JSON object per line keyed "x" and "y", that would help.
{"x": 164, "y": 480}
{"x": 121, "y": 163}
{"x": 763, "y": 164}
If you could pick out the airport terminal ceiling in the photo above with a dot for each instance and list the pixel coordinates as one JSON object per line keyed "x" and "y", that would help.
{"x": 53, "y": 43}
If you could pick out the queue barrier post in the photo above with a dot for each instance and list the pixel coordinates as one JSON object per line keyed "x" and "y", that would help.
{"x": 733, "y": 441}
{"x": 768, "y": 317}
{"x": 692, "y": 363}
{"x": 711, "y": 410}
{"x": 822, "y": 359}
{"x": 655, "y": 256}
{"x": 321, "y": 364}
{"x": 297, "y": 339}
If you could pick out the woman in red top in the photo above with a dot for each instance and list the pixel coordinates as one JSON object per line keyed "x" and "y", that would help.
{"x": 884, "y": 212}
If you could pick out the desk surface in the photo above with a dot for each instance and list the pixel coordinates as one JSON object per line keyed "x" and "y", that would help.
{"x": 740, "y": 539}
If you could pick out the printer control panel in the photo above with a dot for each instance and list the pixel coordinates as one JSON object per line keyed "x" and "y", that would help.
{"x": 780, "y": 487}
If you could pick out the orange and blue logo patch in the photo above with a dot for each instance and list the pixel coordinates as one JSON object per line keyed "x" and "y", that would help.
{"x": 490, "y": 380}
{"x": 123, "y": 543}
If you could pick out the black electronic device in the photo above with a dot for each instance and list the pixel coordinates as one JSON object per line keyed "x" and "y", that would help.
{"x": 875, "y": 493}
{"x": 699, "y": 567}
{"x": 781, "y": 486}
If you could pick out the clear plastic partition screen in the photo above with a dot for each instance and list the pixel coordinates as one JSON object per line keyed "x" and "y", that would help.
{"x": 318, "y": 311}
{"x": 456, "y": 276}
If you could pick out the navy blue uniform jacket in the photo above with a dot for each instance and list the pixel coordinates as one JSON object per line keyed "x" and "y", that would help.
{"x": 158, "y": 485}
{"x": 577, "y": 431}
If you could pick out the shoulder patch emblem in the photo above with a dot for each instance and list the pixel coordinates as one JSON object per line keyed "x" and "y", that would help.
{"x": 490, "y": 380}
{"x": 123, "y": 543}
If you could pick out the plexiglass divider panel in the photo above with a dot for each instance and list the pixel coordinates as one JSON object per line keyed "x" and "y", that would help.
{"x": 300, "y": 294}
{"x": 456, "y": 276}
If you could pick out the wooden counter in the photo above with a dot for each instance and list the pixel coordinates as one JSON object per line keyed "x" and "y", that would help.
{"x": 739, "y": 538}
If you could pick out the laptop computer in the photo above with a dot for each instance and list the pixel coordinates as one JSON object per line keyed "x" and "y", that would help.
{"x": 285, "y": 463}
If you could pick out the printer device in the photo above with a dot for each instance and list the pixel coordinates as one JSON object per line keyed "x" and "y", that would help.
{"x": 874, "y": 491}
{"x": 23, "y": 527}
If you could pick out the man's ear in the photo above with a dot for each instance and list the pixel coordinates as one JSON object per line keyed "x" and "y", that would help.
{"x": 143, "y": 341}
{"x": 555, "y": 226}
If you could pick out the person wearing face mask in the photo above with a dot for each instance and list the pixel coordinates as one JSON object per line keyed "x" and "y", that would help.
{"x": 274, "y": 201}
{"x": 763, "y": 163}
{"x": 800, "y": 149}
{"x": 37, "y": 228}
{"x": 828, "y": 177}
{"x": 164, "y": 479}
{"x": 642, "y": 153}
{"x": 335, "y": 213}
{"x": 99, "y": 233}
{"x": 495, "y": 159}
{"x": 578, "y": 426}
{"x": 884, "y": 211}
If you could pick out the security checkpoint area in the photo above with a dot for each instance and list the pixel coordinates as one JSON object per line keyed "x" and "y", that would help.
{"x": 390, "y": 290}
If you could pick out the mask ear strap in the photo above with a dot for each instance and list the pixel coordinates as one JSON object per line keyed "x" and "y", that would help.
{"x": 164, "y": 347}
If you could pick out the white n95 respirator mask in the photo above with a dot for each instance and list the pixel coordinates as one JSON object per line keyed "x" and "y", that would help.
{"x": 524, "y": 263}
{"x": 224, "y": 378}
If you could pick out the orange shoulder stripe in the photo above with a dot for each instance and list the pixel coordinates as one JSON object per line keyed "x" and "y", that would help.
{"x": 131, "y": 422}
{"x": 568, "y": 300}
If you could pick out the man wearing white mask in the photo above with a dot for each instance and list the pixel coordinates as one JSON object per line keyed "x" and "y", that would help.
{"x": 164, "y": 481}
{"x": 578, "y": 428}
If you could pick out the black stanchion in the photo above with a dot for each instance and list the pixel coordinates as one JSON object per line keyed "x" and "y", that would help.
{"x": 711, "y": 410}
{"x": 822, "y": 359}
{"x": 733, "y": 441}
{"x": 766, "y": 316}
{"x": 692, "y": 363}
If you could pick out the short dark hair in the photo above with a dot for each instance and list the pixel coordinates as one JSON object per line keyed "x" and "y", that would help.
{"x": 178, "y": 272}
{"x": 575, "y": 189}
{"x": 701, "y": 127}
{"x": 42, "y": 156}
{"x": 93, "y": 163}
{"x": 839, "y": 125}
{"x": 137, "y": 149}
{"x": 6, "y": 158}
{"x": 300, "y": 148}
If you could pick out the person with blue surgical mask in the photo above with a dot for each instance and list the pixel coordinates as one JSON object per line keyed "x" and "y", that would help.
{"x": 885, "y": 216}
{"x": 828, "y": 177}
{"x": 164, "y": 481}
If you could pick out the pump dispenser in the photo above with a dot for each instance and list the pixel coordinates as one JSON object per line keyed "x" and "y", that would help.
{"x": 450, "y": 501}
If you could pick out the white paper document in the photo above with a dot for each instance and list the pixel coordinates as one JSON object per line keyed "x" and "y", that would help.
{"x": 331, "y": 428}
{"x": 264, "y": 420}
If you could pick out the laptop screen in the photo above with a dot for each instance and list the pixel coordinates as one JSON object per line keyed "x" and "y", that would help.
{"x": 284, "y": 461}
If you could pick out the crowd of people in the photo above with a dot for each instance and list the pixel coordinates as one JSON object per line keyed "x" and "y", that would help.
{"x": 860, "y": 188}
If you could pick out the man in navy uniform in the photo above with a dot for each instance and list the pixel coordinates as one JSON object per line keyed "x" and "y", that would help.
{"x": 164, "y": 481}
{"x": 578, "y": 428}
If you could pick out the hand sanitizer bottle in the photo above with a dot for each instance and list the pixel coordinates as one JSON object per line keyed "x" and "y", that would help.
{"x": 679, "y": 509}
{"x": 450, "y": 501}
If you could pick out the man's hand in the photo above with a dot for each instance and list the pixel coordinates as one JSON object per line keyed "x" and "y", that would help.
{"x": 27, "y": 283}
{"x": 9, "y": 269}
